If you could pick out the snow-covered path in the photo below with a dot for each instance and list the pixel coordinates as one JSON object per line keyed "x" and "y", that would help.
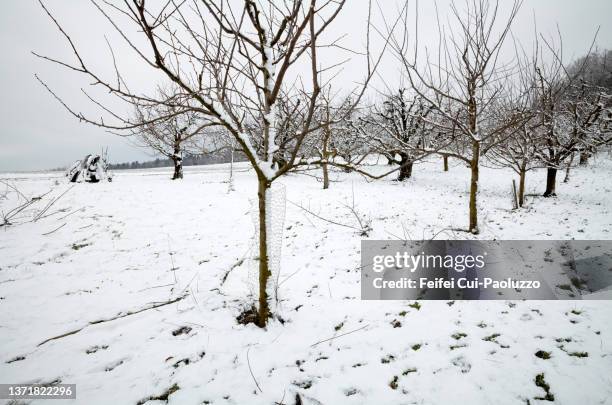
{"x": 135, "y": 243}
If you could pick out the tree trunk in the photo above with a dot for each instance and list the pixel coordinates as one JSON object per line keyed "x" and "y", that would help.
{"x": 325, "y": 176}
{"x": 325, "y": 156}
{"x": 569, "y": 167}
{"x": 405, "y": 171}
{"x": 445, "y": 163}
{"x": 521, "y": 193}
{"x": 178, "y": 168}
{"x": 584, "y": 158}
{"x": 264, "y": 270}
{"x": 474, "y": 166}
{"x": 551, "y": 180}
{"x": 178, "y": 163}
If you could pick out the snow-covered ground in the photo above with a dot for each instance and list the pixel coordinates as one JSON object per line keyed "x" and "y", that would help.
{"x": 118, "y": 248}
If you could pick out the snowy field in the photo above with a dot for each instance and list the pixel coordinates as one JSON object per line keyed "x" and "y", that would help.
{"x": 84, "y": 293}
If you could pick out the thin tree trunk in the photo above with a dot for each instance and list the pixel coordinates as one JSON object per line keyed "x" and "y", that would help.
{"x": 445, "y": 163}
{"x": 521, "y": 193}
{"x": 584, "y": 158}
{"x": 474, "y": 166}
{"x": 569, "y": 167}
{"x": 325, "y": 157}
{"x": 325, "y": 176}
{"x": 230, "y": 181}
{"x": 551, "y": 180}
{"x": 264, "y": 269}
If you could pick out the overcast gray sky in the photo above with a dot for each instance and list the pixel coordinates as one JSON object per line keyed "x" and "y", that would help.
{"x": 37, "y": 133}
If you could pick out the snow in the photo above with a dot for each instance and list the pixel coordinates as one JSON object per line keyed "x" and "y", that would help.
{"x": 144, "y": 239}
{"x": 270, "y": 117}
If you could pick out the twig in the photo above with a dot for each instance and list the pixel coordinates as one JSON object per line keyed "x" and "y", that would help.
{"x": 67, "y": 215}
{"x": 324, "y": 219}
{"x": 59, "y": 227}
{"x": 50, "y": 204}
{"x": 15, "y": 189}
{"x": 251, "y": 371}
{"x": 237, "y": 264}
{"x": 343, "y": 334}
{"x": 73, "y": 332}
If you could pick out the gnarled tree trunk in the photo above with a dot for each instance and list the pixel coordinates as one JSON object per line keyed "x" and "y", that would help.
{"x": 445, "y": 163}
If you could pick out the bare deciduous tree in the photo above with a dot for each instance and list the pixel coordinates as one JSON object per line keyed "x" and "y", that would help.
{"x": 232, "y": 63}
{"x": 172, "y": 133}
{"x": 465, "y": 83}
{"x": 402, "y": 130}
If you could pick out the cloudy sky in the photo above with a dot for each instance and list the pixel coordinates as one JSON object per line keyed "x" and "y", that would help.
{"x": 36, "y": 133}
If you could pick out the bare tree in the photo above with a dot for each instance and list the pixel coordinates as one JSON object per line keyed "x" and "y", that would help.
{"x": 519, "y": 152}
{"x": 402, "y": 135}
{"x": 465, "y": 84}
{"x": 568, "y": 113}
{"x": 174, "y": 134}
{"x": 335, "y": 114}
{"x": 232, "y": 63}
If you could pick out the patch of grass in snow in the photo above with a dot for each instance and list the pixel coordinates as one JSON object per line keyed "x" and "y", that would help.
{"x": 540, "y": 382}
{"x": 305, "y": 384}
{"x": 416, "y": 347}
{"x": 94, "y": 349}
{"x": 459, "y": 335}
{"x": 183, "y": 330}
{"x": 578, "y": 354}
{"x": 114, "y": 365}
{"x": 78, "y": 246}
{"x": 542, "y": 354}
{"x": 247, "y": 316}
{"x": 387, "y": 359}
{"x": 350, "y": 391}
{"x": 415, "y": 305}
{"x": 162, "y": 397}
{"x": 491, "y": 338}
{"x": 409, "y": 370}
{"x": 393, "y": 384}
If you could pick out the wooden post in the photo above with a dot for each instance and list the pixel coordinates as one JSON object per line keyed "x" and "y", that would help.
{"x": 514, "y": 195}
